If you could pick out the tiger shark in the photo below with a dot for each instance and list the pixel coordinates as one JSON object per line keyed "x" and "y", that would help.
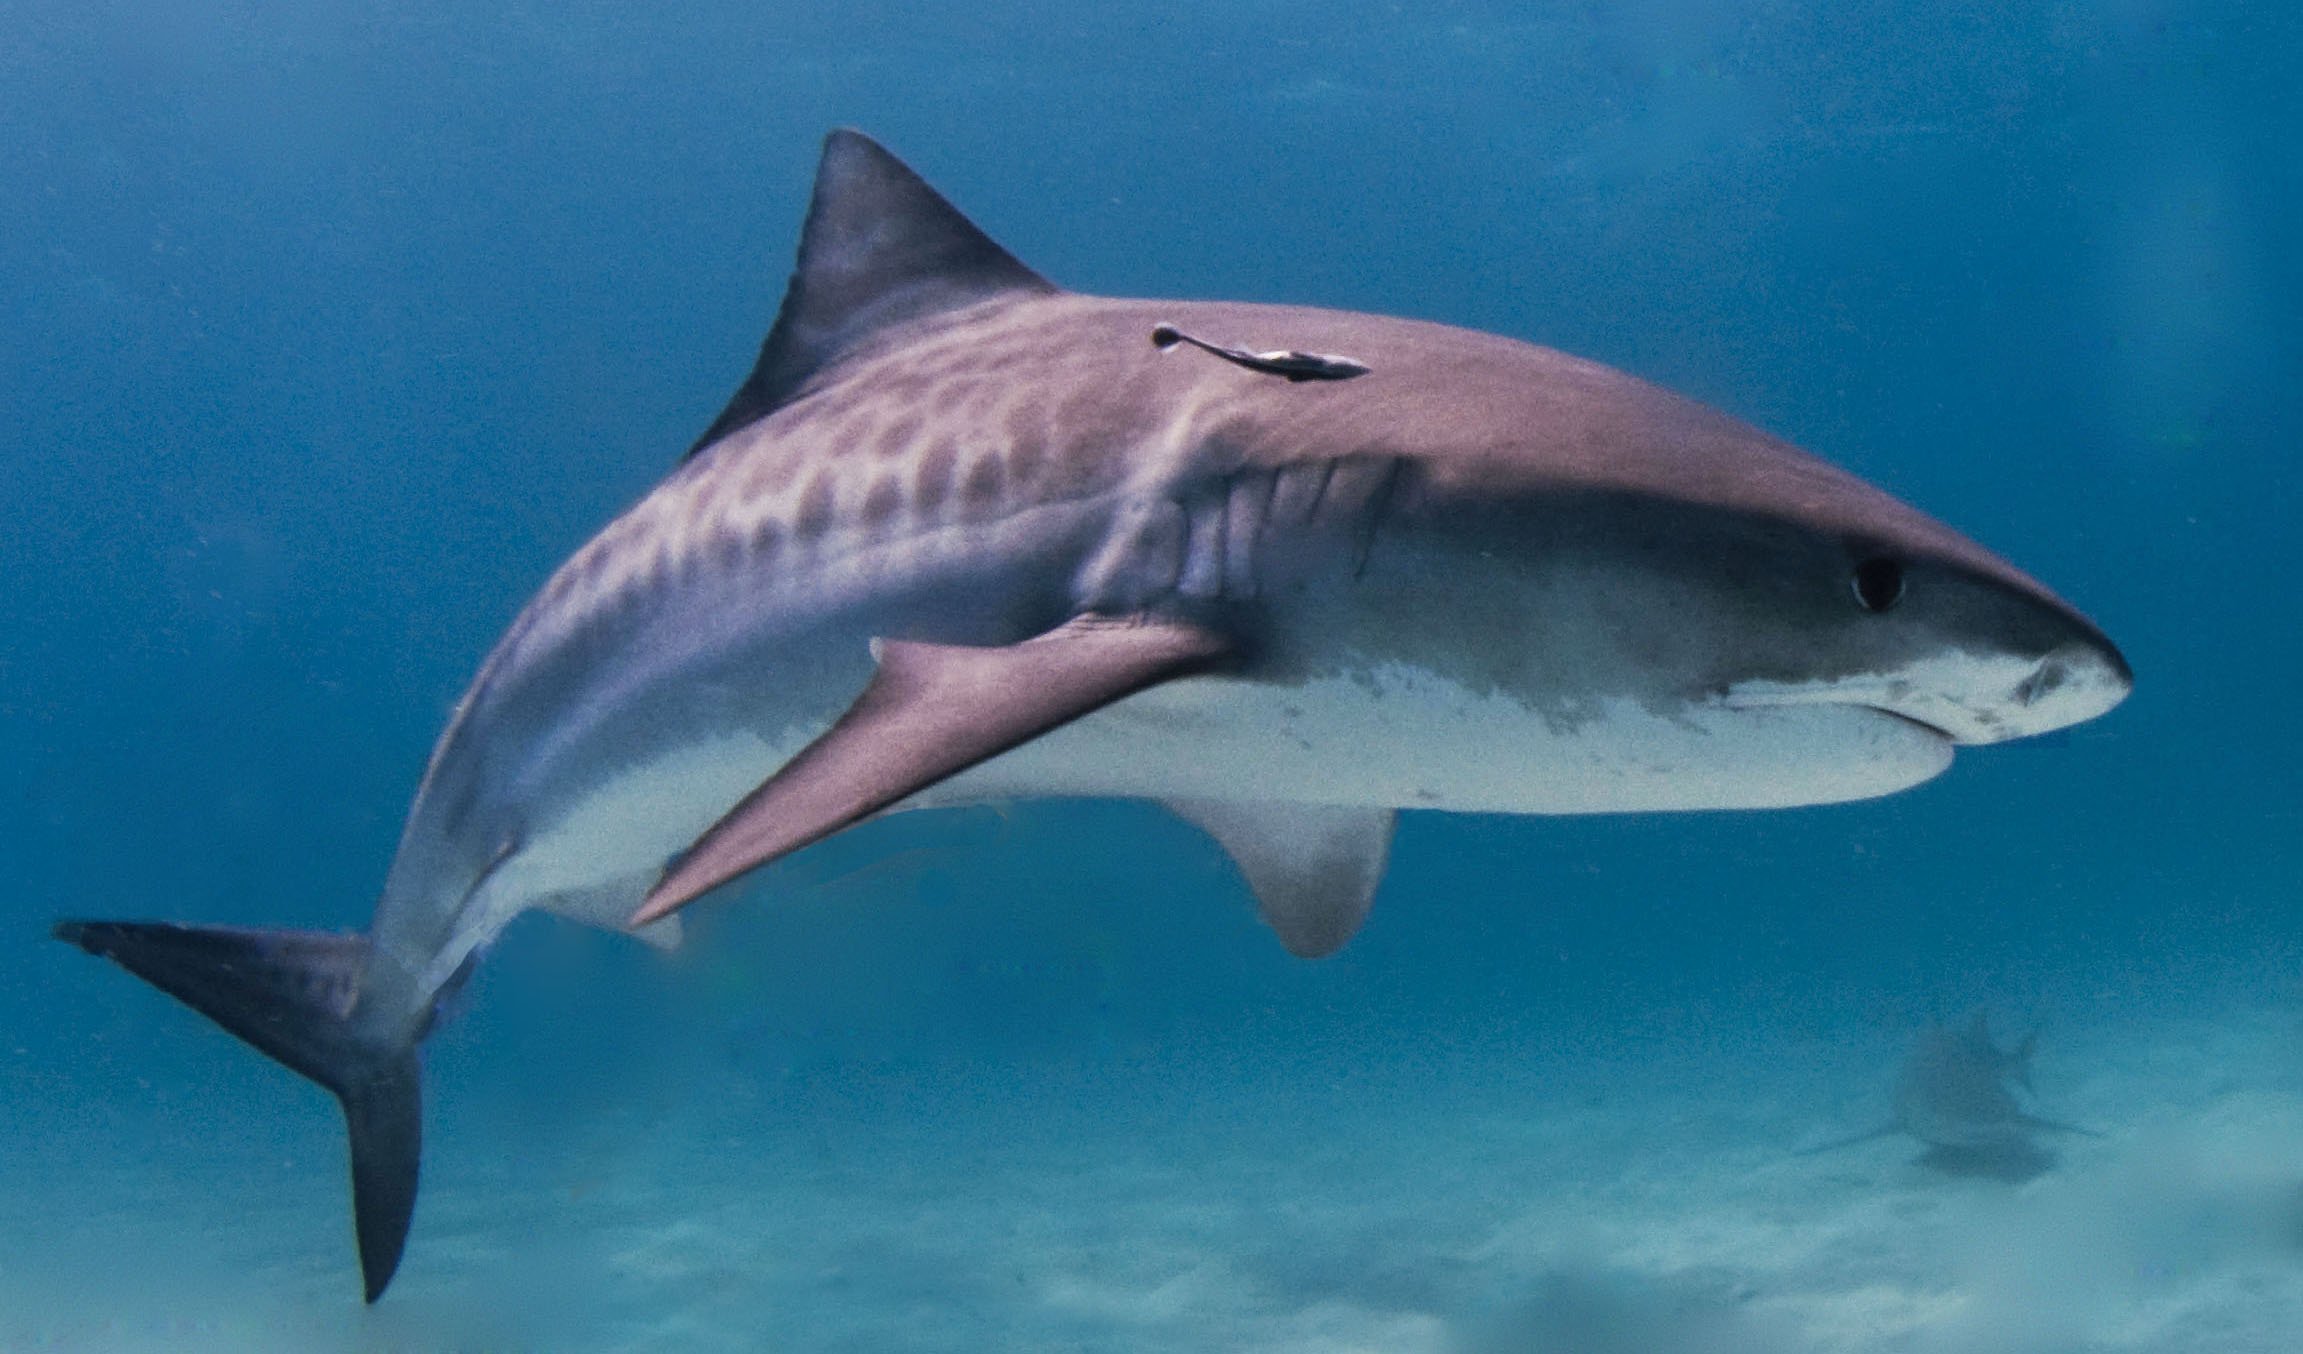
{"x": 965, "y": 536}
{"x": 1955, "y": 1092}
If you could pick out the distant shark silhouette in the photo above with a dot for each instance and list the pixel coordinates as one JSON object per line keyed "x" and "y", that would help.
{"x": 963, "y": 536}
{"x": 1954, "y": 1094}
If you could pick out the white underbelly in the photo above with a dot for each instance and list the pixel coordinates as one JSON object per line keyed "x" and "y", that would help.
{"x": 630, "y": 824}
{"x": 1403, "y": 737}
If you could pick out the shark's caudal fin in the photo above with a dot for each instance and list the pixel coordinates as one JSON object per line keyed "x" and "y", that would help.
{"x": 288, "y": 992}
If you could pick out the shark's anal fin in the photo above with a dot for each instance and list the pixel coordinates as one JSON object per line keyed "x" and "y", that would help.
{"x": 932, "y": 711}
{"x": 1314, "y": 868}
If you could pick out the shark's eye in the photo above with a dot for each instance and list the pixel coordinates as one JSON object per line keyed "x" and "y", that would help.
{"x": 1878, "y": 583}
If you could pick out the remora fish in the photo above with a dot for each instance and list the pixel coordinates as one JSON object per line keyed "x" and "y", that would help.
{"x": 963, "y": 535}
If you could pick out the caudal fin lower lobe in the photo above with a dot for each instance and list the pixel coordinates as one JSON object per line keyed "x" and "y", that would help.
{"x": 289, "y": 993}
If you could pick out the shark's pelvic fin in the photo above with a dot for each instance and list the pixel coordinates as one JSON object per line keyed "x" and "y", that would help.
{"x": 880, "y": 248}
{"x": 289, "y": 993}
{"x": 932, "y": 711}
{"x": 1313, "y": 868}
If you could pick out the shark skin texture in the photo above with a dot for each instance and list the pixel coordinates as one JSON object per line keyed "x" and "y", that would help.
{"x": 964, "y": 536}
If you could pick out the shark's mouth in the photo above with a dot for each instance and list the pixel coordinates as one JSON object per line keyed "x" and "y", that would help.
{"x": 1938, "y": 730}
{"x": 1966, "y": 697}
{"x": 1888, "y": 699}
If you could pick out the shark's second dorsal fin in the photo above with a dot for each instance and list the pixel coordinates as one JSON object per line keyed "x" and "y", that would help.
{"x": 880, "y": 248}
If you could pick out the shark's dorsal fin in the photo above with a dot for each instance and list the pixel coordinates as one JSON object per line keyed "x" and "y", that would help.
{"x": 880, "y": 248}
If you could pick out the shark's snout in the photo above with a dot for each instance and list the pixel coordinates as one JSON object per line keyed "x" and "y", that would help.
{"x": 1970, "y": 698}
{"x": 2071, "y": 684}
{"x": 1995, "y": 700}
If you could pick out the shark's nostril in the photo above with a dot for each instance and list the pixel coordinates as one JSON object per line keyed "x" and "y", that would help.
{"x": 2044, "y": 680}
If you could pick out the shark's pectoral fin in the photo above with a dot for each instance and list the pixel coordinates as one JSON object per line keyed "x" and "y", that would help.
{"x": 664, "y": 935}
{"x": 1314, "y": 868}
{"x": 609, "y": 906}
{"x": 930, "y": 712}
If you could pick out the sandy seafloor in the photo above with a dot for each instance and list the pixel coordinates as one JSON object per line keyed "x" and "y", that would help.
{"x": 1485, "y": 1195}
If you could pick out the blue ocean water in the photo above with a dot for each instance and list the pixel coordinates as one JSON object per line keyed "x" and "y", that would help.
{"x": 335, "y": 327}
